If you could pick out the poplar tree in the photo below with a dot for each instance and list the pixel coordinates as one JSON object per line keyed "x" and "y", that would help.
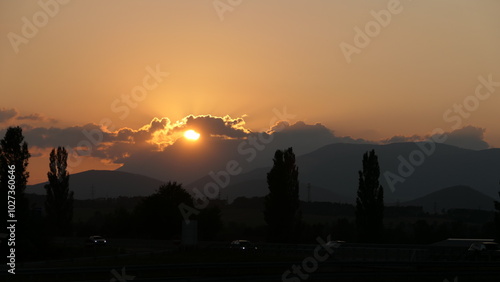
{"x": 59, "y": 201}
{"x": 370, "y": 201}
{"x": 282, "y": 213}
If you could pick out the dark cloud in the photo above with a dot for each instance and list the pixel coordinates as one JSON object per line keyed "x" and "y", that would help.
{"x": 92, "y": 139}
{"x": 37, "y": 118}
{"x": 312, "y": 133}
{"x": 7, "y": 114}
{"x": 469, "y": 137}
{"x": 216, "y": 126}
{"x": 32, "y": 117}
{"x": 125, "y": 134}
{"x": 402, "y": 138}
{"x": 74, "y": 136}
{"x": 158, "y": 124}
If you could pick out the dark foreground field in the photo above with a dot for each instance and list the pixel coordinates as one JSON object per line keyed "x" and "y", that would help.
{"x": 265, "y": 271}
{"x": 143, "y": 260}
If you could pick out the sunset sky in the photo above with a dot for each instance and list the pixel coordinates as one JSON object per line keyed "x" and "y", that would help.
{"x": 68, "y": 66}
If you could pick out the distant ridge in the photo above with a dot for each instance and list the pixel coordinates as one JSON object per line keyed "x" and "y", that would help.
{"x": 335, "y": 166}
{"x": 332, "y": 171}
{"x": 455, "y": 197}
{"x": 254, "y": 184}
{"x": 106, "y": 184}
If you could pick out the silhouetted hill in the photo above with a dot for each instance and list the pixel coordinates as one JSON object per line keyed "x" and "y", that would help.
{"x": 335, "y": 168}
{"x": 254, "y": 184}
{"x": 106, "y": 184}
{"x": 332, "y": 171}
{"x": 456, "y": 197}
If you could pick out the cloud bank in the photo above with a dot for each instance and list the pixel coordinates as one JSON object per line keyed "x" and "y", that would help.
{"x": 158, "y": 149}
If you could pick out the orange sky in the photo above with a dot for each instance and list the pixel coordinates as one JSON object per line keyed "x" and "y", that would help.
{"x": 251, "y": 58}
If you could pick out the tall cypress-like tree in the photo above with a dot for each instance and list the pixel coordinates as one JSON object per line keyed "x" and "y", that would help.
{"x": 282, "y": 213}
{"x": 370, "y": 201}
{"x": 59, "y": 201}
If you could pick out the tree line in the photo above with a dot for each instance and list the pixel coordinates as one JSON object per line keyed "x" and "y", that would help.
{"x": 282, "y": 210}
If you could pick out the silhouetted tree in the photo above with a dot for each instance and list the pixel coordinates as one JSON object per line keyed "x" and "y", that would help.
{"x": 497, "y": 220}
{"x": 14, "y": 156}
{"x": 282, "y": 213}
{"x": 59, "y": 200}
{"x": 159, "y": 215}
{"x": 370, "y": 201}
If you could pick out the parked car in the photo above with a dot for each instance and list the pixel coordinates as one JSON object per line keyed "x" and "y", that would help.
{"x": 335, "y": 244}
{"x": 242, "y": 245}
{"x": 484, "y": 250}
{"x": 96, "y": 241}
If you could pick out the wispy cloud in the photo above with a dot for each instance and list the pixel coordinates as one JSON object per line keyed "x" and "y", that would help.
{"x": 7, "y": 114}
{"x": 32, "y": 117}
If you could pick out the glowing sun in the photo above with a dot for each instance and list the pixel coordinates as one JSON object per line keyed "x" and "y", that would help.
{"x": 191, "y": 135}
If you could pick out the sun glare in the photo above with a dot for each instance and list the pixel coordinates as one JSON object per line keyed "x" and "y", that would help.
{"x": 191, "y": 135}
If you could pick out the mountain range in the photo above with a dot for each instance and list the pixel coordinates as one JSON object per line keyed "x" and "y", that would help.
{"x": 332, "y": 172}
{"x": 463, "y": 197}
{"x": 329, "y": 173}
{"x": 105, "y": 184}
